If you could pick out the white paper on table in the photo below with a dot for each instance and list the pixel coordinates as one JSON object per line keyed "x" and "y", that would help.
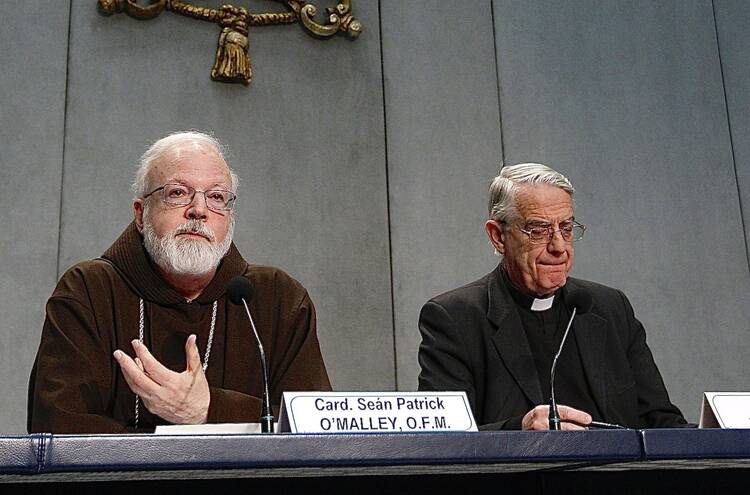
{"x": 211, "y": 429}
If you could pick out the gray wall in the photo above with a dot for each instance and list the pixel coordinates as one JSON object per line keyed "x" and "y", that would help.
{"x": 365, "y": 164}
{"x": 32, "y": 129}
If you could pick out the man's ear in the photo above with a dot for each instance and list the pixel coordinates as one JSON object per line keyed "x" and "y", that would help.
{"x": 138, "y": 204}
{"x": 496, "y": 235}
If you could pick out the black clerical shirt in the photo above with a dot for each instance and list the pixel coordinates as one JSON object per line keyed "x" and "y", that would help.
{"x": 544, "y": 331}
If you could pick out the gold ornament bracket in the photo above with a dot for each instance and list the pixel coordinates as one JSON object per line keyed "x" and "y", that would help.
{"x": 232, "y": 64}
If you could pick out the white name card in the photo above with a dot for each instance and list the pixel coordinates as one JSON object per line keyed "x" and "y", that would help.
{"x": 725, "y": 410}
{"x": 375, "y": 412}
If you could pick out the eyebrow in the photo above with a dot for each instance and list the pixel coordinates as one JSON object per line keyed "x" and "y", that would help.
{"x": 536, "y": 221}
{"x": 174, "y": 180}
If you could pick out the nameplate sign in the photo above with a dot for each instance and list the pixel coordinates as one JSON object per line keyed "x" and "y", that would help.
{"x": 375, "y": 412}
{"x": 725, "y": 410}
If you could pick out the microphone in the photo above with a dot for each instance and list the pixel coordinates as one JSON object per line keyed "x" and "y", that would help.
{"x": 578, "y": 302}
{"x": 240, "y": 291}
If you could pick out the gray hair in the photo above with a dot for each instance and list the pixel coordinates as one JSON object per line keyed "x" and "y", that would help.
{"x": 503, "y": 189}
{"x": 173, "y": 144}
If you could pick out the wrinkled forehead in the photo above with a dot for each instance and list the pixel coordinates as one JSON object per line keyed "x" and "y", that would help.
{"x": 543, "y": 201}
{"x": 193, "y": 164}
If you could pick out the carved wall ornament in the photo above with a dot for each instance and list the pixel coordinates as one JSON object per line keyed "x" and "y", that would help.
{"x": 232, "y": 60}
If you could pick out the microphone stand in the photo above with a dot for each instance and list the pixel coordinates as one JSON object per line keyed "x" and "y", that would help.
{"x": 266, "y": 415}
{"x": 554, "y": 415}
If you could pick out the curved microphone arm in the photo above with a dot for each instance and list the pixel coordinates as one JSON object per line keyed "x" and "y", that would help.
{"x": 554, "y": 416}
{"x": 266, "y": 415}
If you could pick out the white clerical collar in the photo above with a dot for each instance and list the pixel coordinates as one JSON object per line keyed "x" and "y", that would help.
{"x": 524, "y": 300}
{"x": 542, "y": 304}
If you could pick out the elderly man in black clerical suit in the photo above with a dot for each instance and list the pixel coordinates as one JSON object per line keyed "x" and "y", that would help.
{"x": 496, "y": 338}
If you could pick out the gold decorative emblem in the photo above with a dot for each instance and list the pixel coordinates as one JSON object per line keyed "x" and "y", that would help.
{"x": 232, "y": 60}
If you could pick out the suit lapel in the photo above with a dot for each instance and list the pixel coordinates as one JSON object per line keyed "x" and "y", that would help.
{"x": 590, "y": 332}
{"x": 510, "y": 339}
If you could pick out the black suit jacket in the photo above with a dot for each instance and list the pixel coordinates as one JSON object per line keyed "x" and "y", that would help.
{"x": 473, "y": 340}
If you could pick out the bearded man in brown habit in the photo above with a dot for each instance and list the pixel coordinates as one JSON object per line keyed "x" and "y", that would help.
{"x": 160, "y": 291}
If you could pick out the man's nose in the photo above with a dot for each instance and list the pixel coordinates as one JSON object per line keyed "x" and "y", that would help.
{"x": 557, "y": 243}
{"x": 198, "y": 208}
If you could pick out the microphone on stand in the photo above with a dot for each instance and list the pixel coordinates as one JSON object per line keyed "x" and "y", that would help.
{"x": 241, "y": 291}
{"x": 578, "y": 302}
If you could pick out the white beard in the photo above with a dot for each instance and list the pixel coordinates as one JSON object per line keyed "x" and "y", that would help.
{"x": 184, "y": 255}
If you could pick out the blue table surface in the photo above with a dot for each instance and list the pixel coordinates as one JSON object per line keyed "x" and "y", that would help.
{"x": 45, "y": 453}
{"x": 682, "y": 443}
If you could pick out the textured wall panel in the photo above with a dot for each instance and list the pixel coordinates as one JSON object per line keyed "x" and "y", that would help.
{"x": 732, "y": 21}
{"x": 626, "y": 99}
{"x": 306, "y": 138}
{"x": 443, "y": 145}
{"x": 33, "y": 37}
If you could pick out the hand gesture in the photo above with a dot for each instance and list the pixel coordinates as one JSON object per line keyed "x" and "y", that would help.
{"x": 180, "y": 398}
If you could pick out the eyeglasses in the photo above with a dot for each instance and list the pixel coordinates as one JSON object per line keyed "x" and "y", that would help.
{"x": 182, "y": 195}
{"x": 543, "y": 234}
